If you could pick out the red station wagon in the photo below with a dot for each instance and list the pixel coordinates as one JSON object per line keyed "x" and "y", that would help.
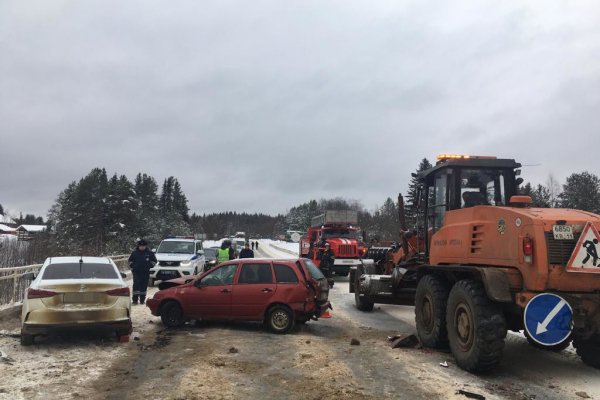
{"x": 277, "y": 292}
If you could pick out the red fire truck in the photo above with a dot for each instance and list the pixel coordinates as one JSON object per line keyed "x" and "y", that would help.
{"x": 338, "y": 228}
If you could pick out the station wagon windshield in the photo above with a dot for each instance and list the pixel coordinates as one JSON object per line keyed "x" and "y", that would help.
{"x": 75, "y": 271}
{"x": 176, "y": 247}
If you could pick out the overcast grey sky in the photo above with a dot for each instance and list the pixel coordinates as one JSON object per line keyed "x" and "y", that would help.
{"x": 261, "y": 105}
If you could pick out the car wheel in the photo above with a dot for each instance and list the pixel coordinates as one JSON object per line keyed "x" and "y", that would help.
{"x": 171, "y": 315}
{"x": 27, "y": 339}
{"x": 280, "y": 319}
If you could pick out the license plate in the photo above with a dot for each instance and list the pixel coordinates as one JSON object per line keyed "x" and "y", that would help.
{"x": 563, "y": 232}
{"x": 167, "y": 274}
{"x": 81, "y": 297}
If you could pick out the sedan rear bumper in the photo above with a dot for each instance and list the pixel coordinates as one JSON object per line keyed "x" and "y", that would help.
{"x": 121, "y": 326}
{"x": 46, "y": 316}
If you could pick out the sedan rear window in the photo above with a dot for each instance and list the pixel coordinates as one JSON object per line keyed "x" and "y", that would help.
{"x": 315, "y": 272}
{"x": 285, "y": 274}
{"x": 80, "y": 271}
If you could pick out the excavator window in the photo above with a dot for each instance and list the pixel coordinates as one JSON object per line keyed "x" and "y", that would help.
{"x": 482, "y": 187}
{"x": 438, "y": 200}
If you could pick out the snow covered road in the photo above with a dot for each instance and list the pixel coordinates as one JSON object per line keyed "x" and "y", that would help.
{"x": 242, "y": 361}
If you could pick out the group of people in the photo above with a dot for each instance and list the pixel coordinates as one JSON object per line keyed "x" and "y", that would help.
{"x": 226, "y": 251}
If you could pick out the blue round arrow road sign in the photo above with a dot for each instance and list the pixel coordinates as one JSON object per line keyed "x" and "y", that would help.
{"x": 548, "y": 319}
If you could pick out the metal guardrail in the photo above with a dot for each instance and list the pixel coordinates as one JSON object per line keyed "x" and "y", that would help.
{"x": 13, "y": 286}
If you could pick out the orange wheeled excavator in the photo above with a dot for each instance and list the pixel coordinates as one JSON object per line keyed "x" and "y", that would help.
{"x": 482, "y": 261}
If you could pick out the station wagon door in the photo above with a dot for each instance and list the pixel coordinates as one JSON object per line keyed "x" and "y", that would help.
{"x": 253, "y": 291}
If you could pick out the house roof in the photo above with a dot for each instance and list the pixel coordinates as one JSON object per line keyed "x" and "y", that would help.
{"x": 6, "y": 228}
{"x": 32, "y": 228}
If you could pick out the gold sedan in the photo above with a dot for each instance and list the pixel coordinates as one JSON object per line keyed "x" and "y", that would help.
{"x": 76, "y": 292}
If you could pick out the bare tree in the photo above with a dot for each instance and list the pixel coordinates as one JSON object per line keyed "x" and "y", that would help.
{"x": 554, "y": 191}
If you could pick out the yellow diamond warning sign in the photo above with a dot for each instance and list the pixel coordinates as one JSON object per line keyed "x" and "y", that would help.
{"x": 586, "y": 256}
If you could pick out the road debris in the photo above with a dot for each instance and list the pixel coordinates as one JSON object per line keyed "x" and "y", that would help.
{"x": 5, "y": 358}
{"x": 410, "y": 341}
{"x": 233, "y": 350}
{"x": 354, "y": 342}
{"x": 583, "y": 395}
{"x": 444, "y": 364}
{"x": 12, "y": 334}
{"x": 470, "y": 395}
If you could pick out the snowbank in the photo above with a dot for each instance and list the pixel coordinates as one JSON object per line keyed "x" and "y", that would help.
{"x": 286, "y": 246}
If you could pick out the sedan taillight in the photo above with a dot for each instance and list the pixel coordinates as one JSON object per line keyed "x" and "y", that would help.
{"x": 118, "y": 292}
{"x": 39, "y": 293}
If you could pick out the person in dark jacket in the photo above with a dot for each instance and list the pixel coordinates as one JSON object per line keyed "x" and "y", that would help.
{"x": 140, "y": 263}
{"x": 246, "y": 252}
{"x": 327, "y": 260}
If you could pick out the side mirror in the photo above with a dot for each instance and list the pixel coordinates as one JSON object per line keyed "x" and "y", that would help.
{"x": 518, "y": 181}
{"x": 200, "y": 252}
{"x": 123, "y": 275}
{"x": 154, "y": 250}
{"x": 198, "y": 283}
{"x": 29, "y": 276}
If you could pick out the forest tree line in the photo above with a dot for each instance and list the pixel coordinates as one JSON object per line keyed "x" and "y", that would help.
{"x": 105, "y": 215}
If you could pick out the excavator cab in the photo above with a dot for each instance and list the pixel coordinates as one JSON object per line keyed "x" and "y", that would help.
{"x": 458, "y": 181}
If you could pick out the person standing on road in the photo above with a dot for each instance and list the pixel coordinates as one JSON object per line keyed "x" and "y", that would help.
{"x": 256, "y": 244}
{"x": 327, "y": 260}
{"x": 246, "y": 252}
{"x": 225, "y": 253}
{"x": 252, "y": 246}
{"x": 141, "y": 261}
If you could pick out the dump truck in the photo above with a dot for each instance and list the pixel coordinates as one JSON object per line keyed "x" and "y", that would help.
{"x": 481, "y": 261}
{"x": 339, "y": 229}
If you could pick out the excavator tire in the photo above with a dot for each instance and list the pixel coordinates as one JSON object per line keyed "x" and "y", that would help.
{"x": 476, "y": 327}
{"x": 362, "y": 302}
{"x": 588, "y": 350}
{"x": 430, "y": 311}
{"x": 555, "y": 348}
